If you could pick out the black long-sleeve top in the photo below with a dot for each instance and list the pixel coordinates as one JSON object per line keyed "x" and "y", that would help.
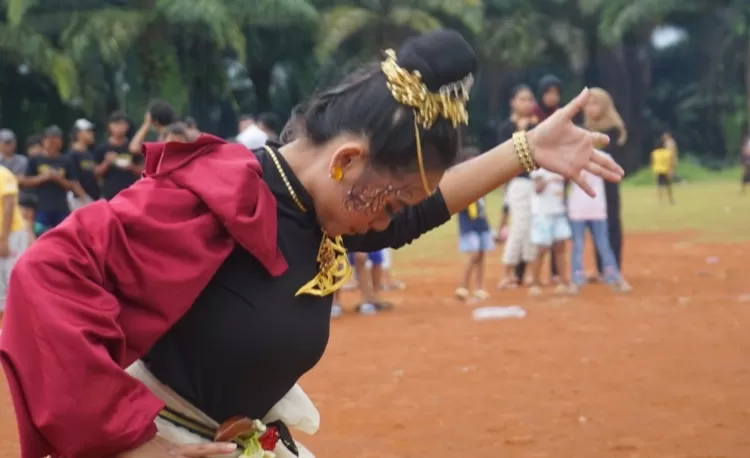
{"x": 247, "y": 339}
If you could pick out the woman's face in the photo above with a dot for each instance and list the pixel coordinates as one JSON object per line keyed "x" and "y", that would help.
{"x": 364, "y": 198}
{"x": 522, "y": 103}
{"x": 594, "y": 109}
{"x": 551, "y": 97}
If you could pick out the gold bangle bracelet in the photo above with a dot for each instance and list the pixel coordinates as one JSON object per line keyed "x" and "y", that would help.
{"x": 523, "y": 151}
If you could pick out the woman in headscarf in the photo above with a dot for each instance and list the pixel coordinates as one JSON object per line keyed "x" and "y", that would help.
{"x": 217, "y": 269}
{"x": 600, "y": 115}
{"x": 549, "y": 96}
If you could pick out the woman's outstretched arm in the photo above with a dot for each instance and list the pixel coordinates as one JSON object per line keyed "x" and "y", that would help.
{"x": 556, "y": 144}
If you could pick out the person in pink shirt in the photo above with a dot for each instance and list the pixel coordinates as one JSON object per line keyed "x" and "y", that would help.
{"x": 591, "y": 212}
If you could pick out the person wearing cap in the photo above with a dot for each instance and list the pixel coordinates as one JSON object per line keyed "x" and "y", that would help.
{"x": 8, "y": 157}
{"x": 52, "y": 176}
{"x": 81, "y": 138}
{"x": 117, "y": 167}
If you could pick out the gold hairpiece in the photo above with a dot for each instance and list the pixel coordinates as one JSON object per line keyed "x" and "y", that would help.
{"x": 449, "y": 102}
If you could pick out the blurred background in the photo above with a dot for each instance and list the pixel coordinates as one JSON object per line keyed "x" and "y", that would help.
{"x": 676, "y": 65}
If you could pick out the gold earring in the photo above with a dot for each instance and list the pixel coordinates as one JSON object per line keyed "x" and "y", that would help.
{"x": 337, "y": 174}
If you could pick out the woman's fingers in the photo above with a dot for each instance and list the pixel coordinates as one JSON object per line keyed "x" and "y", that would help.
{"x": 204, "y": 450}
{"x": 605, "y": 173}
{"x": 599, "y": 139}
{"x": 606, "y": 162}
{"x": 583, "y": 184}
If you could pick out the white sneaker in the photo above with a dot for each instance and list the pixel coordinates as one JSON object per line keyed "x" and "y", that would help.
{"x": 336, "y": 311}
{"x": 535, "y": 290}
{"x": 367, "y": 309}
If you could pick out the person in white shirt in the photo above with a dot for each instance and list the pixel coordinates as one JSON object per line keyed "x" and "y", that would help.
{"x": 549, "y": 225}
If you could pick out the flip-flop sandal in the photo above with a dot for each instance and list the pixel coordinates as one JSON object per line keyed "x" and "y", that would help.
{"x": 508, "y": 283}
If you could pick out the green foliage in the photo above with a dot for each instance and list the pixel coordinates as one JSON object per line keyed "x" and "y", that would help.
{"x": 215, "y": 58}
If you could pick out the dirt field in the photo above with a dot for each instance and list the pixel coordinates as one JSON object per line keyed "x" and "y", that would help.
{"x": 661, "y": 373}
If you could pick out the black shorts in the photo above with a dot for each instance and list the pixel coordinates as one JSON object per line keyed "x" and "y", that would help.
{"x": 662, "y": 179}
{"x": 746, "y": 175}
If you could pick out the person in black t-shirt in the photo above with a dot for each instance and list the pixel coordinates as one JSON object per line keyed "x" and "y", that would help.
{"x": 82, "y": 137}
{"x": 51, "y": 176}
{"x": 116, "y": 166}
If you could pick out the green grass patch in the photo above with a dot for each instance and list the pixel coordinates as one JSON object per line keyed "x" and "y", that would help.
{"x": 690, "y": 172}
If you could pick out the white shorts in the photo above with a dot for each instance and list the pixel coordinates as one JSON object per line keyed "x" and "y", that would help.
{"x": 548, "y": 229}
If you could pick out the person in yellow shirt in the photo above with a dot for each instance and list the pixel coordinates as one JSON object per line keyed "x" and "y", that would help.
{"x": 13, "y": 234}
{"x": 662, "y": 165}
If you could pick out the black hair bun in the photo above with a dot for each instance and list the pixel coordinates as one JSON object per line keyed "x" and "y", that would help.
{"x": 442, "y": 57}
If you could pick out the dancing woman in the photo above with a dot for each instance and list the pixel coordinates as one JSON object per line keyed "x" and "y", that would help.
{"x": 219, "y": 266}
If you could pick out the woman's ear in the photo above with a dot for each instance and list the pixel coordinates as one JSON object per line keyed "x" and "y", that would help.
{"x": 348, "y": 156}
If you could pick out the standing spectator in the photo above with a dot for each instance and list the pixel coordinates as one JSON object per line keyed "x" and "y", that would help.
{"x": 34, "y": 145}
{"x": 192, "y": 130}
{"x": 600, "y": 115}
{"x": 550, "y": 96}
{"x": 518, "y": 250}
{"x": 745, "y": 159}
{"x": 590, "y": 213}
{"x": 52, "y": 176}
{"x": 662, "y": 165}
{"x": 28, "y": 204}
{"x": 82, "y": 138}
{"x": 159, "y": 115}
{"x": 252, "y": 136}
{"x": 550, "y": 229}
{"x": 177, "y": 132}
{"x": 269, "y": 124}
{"x": 117, "y": 167}
{"x": 13, "y": 236}
{"x": 475, "y": 240}
{"x": 16, "y": 163}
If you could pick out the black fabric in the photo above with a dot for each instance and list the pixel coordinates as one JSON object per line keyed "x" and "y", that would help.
{"x": 662, "y": 179}
{"x": 52, "y": 196}
{"x": 612, "y": 194}
{"x": 116, "y": 178}
{"x": 83, "y": 163}
{"x": 247, "y": 339}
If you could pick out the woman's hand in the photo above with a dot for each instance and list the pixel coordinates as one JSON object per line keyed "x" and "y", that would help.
{"x": 562, "y": 147}
{"x": 160, "y": 448}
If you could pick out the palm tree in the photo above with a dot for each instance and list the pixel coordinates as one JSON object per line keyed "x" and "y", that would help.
{"x": 373, "y": 25}
{"x": 108, "y": 53}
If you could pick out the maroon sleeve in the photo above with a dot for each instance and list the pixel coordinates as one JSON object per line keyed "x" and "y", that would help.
{"x": 88, "y": 299}
{"x": 94, "y": 294}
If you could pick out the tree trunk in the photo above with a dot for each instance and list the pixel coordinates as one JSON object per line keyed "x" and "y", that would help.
{"x": 261, "y": 77}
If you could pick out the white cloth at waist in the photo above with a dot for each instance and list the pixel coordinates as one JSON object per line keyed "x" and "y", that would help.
{"x": 295, "y": 409}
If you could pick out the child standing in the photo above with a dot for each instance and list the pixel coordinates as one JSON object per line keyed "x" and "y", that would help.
{"x": 518, "y": 250}
{"x": 475, "y": 239}
{"x": 662, "y": 164}
{"x": 591, "y": 212}
{"x": 549, "y": 226}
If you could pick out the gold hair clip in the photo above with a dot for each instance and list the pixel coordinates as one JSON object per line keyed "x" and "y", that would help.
{"x": 449, "y": 102}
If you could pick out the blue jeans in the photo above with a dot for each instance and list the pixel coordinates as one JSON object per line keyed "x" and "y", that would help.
{"x": 600, "y": 233}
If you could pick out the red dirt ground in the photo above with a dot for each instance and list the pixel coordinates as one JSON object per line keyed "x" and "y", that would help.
{"x": 660, "y": 373}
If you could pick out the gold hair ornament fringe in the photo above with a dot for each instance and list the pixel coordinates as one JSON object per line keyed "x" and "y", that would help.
{"x": 449, "y": 102}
